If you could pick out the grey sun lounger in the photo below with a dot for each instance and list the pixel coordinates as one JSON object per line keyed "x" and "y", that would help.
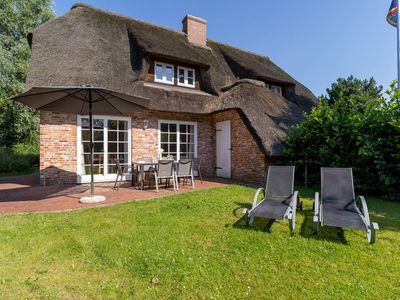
{"x": 279, "y": 201}
{"x": 337, "y": 205}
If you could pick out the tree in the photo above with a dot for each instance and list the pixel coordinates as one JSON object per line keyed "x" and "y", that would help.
{"x": 353, "y": 126}
{"x": 18, "y": 123}
{"x": 353, "y": 89}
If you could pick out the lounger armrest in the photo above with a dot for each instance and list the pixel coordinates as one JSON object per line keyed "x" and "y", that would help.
{"x": 255, "y": 198}
{"x": 316, "y": 207}
{"x": 364, "y": 210}
{"x": 295, "y": 198}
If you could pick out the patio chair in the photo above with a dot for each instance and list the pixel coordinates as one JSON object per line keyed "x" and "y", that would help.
{"x": 197, "y": 167}
{"x": 337, "y": 205}
{"x": 164, "y": 170}
{"x": 184, "y": 170}
{"x": 279, "y": 201}
{"x": 121, "y": 172}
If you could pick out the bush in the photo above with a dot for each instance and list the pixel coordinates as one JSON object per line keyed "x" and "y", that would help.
{"x": 19, "y": 158}
{"x": 351, "y": 131}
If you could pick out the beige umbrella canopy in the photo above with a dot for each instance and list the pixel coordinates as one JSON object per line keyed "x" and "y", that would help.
{"x": 83, "y": 100}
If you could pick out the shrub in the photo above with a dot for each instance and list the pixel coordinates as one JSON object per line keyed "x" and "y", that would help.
{"x": 20, "y": 158}
{"x": 351, "y": 131}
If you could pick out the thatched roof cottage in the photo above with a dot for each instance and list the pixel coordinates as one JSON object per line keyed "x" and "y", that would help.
{"x": 228, "y": 106}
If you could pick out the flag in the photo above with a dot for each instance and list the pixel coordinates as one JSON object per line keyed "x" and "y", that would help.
{"x": 392, "y": 14}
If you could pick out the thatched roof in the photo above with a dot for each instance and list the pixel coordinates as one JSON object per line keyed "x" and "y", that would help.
{"x": 91, "y": 46}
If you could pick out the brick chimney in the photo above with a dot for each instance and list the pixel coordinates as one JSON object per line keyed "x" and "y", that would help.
{"x": 195, "y": 28}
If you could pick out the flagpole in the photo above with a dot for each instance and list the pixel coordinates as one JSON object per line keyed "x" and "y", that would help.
{"x": 398, "y": 47}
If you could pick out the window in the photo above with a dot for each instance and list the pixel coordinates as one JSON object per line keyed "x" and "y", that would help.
{"x": 186, "y": 77}
{"x": 178, "y": 139}
{"x": 111, "y": 140}
{"x": 276, "y": 89}
{"x": 163, "y": 73}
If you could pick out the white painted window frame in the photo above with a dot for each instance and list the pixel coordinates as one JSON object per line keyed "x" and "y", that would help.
{"x": 185, "y": 70}
{"x": 178, "y": 137}
{"x": 276, "y": 89}
{"x": 101, "y": 177}
{"x": 164, "y": 79}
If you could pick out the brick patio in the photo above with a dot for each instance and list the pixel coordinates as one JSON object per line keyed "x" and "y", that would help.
{"x": 23, "y": 194}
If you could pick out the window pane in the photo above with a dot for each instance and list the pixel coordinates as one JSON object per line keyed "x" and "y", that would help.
{"x": 182, "y": 128}
{"x": 191, "y": 129}
{"x": 112, "y": 169}
{"x": 183, "y": 148}
{"x": 191, "y": 138}
{"x": 164, "y": 127}
{"x": 112, "y": 136}
{"x": 86, "y": 159}
{"x": 123, "y": 136}
{"x": 86, "y": 147}
{"x": 183, "y": 137}
{"x": 169, "y": 73}
{"x": 159, "y": 72}
{"x": 123, "y": 147}
{"x": 172, "y": 147}
{"x": 164, "y": 146}
{"x": 85, "y": 135}
{"x": 164, "y": 137}
{"x": 98, "y": 135}
{"x": 123, "y": 158}
{"x": 181, "y": 76}
{"x": 112, "y": 147}
{"x": 98, "y": 147}
{"x": 191, "y": 147}
{"x": 98, "y": 159}
{"x": 85, "y": 123}
{"x": 190, "y": 74}
{"x": 98, "y": 123}
{"x": 123, "y": 125}
{"x": 172, "y": 127}
{"x": 112, "y": 157}
{"x": 112, "y": 125}
{"x": 190, "y": 81}
{"x": 172, "y": 137}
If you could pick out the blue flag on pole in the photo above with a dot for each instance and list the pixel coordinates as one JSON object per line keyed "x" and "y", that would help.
{"x": 392, "y": 14}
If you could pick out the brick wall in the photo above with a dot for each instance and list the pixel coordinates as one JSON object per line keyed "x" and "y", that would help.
{"x": 58, "y": 144}
{"x": 57, "y": 148}
{"x": 248, "y": 162}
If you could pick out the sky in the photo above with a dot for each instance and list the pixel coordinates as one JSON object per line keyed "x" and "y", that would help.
{"x": 315, "y": 41}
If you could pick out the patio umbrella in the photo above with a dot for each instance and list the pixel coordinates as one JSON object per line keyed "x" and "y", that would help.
{"x": 83, "y": 100}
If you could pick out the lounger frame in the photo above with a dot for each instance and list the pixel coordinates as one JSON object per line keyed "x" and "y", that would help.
{"x": 318, "y": 219}
{"x": 290, "y": 213}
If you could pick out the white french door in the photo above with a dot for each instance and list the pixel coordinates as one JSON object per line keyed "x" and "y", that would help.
{"x": 111, "y": 140}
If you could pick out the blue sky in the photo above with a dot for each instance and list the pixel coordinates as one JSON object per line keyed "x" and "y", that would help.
{"x": 316, "y": 41}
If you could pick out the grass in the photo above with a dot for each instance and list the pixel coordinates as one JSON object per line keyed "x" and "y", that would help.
{"x": 195, "y": 245}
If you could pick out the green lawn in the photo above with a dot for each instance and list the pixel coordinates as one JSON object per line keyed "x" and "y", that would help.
{"x": 195, "y": 245}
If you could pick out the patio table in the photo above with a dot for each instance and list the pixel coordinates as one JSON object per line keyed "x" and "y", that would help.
{"x": 141, "y": 165}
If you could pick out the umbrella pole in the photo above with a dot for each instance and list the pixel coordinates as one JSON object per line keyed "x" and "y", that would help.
{"x": 91, "y": 144}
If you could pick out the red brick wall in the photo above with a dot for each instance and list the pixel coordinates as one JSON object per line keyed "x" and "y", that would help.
{"x": 248, "y": 161}
{"x": 58, "y": 144}
{"x": 57, "y": 148}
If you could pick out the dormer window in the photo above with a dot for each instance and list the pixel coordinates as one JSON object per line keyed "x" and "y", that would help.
{"x": 276, "y": 89}
{"x": 163, "y": 73}
{"x": 186, "y": 77}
